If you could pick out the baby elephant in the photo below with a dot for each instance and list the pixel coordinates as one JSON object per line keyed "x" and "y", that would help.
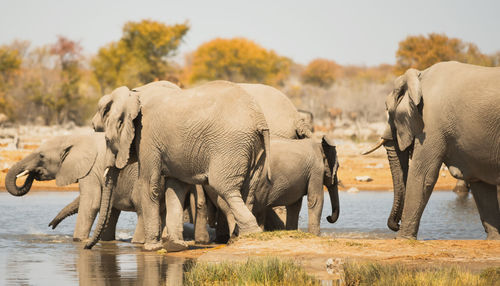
{"x": 300, "y": 167}
{"x": 79, "y": 158}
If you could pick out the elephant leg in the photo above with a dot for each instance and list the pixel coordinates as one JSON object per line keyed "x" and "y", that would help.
{"x": 486, "y": 199}
{"x": 148, "y": 185}
{"x": 275, "y": 218}
{"x": 139, "y": 230}
{"x": 292, "y": 215}
{"x": 315, "y": 200}
{"x": 201, "y": 216}
{"x": 108, "y": 234}
{"x": 87, "y": 210}
{"x": 175, "y": 197}
{"x": 422, "y": 176}
{"x": 228, "y": 214}
{"x": 228, "y": 186}
{"x": 461, "y": 187}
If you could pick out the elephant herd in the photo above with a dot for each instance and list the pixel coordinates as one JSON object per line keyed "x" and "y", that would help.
{"x": 228, "y": 153}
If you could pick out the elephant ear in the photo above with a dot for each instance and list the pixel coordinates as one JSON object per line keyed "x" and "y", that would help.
{"x": 403, "y": 107}
{"x": 330, "y": 152}
{"x": 126, "y": 129}
{"x": 77, "y": 159}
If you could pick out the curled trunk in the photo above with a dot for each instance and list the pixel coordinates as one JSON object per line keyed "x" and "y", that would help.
{"x": 398, "y": 162}
{"x": 11, "y": 178}
{"x": 105, "y": 208}
{"x": 68, "y": 210}
{"x": 333, "y": 191}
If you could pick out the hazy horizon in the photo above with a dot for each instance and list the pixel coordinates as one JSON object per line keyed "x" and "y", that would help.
{"x": 353, "y": 32}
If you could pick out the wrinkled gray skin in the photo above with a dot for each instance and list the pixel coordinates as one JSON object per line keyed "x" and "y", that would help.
{"x": 80, "y": 158}
{"x": 209, "y": 135}
{"x": 124, "y": 200}
{"x": 291, "y": 181}
{"x": 284, "y": 121}
{"x": 448, "y": 113}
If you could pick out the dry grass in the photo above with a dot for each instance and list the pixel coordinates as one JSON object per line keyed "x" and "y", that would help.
{"x": 269, "y": 235}
{"x": 379, "y": 274}
{"x": 262, "y": 271}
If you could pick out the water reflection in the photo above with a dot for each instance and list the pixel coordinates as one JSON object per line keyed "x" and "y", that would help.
{"x": 110, "y": 265}
{"x": 33, "y": 254}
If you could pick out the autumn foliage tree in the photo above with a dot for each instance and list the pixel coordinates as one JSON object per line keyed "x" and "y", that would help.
{"x": 421, "y": 52}
{"x": 320, "y": 72}
{"x": 140, "y": 56}
{"x": 237, "y": 60}
{"x": 10, "y": 62}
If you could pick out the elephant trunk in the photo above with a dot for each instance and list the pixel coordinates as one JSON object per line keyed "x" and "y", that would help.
{"x": 15, "y": 171}
{"x": 333, "y": 191}
{"x": 398, "y": 163}
{"x": 105, "y": 209}
{"x": 68, "y": 210}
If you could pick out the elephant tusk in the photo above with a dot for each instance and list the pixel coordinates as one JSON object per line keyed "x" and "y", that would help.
{"x": 106, "y": 172}
{"x": 23, "y": 173}
{"x": 375, "y": 147}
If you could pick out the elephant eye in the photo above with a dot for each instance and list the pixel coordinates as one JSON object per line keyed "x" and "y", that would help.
{"x": 107, "y": 108}
{"x": 120, "y": 121}
{"x": 41, "y": 155}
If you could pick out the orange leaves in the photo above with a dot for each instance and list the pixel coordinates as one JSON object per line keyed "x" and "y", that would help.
{"x": 321, "y": 72}
{"x": 421, "y": 52}
{"x": 238, "y": 60}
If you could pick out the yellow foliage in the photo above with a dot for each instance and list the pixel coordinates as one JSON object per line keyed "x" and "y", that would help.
{"x": 321, "y": 72}
{"x": 421, "y": 52}
{"x": 140, "y": 56}
{"x": 238, "y": 60}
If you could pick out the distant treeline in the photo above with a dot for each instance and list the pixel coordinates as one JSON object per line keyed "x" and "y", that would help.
{"x": 59, "y": 83}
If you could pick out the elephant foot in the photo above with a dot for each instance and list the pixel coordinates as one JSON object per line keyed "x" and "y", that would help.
{"x": 137, "y": 241}
{"x": 202, "y": 238}
{"x": 152, "y": 246}
{"x": 175, "y": 245}
{"x": 249, "y": 230}
{"x": 405, "y": 237}
{"x": 493, "y": 236}
{"x": 222, "y": 238}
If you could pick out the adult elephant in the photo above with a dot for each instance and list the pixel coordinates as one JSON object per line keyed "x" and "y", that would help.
{"x": 79, "y": 158}
{"x": 292, "y": 181}
{"x": 211, "y": 135}
{"x": 448, "y": 113}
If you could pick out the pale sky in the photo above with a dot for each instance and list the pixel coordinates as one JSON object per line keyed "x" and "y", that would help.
{"x": 349, "y": 32}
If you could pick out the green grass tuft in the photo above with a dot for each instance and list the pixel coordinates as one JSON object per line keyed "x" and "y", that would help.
{"x": 379, "y": 274}
{"x": 263, "y": 271}
{"x": 269, "y": 235}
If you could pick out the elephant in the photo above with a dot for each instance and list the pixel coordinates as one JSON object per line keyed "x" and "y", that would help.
{"x": 448, "y": 113}
{"x": 292, "y": 180}
{"x": 79, "y": 158}
{"x": 213, "y": 134}
{"x": 193, "y": 206}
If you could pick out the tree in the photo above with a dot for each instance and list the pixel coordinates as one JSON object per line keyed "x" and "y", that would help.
{"x": 421, "y": 52}
{"x": 140, "y": 56}
{"x": 238, "y": 60}
{"x": 10, "y": 63}
{"x": 320, "y": 72}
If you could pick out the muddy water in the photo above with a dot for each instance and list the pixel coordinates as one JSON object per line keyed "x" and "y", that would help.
{"x": 31, "y": 253}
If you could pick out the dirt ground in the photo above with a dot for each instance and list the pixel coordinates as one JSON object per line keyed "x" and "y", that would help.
{"x": 312, "y": 253}
{"x": 352, "y": 165}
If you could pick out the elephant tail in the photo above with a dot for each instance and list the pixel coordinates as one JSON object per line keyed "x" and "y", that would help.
{"x": 267, "y": 150}
{"x": 67, "y": 211}
{"x": 110, "y": 176}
